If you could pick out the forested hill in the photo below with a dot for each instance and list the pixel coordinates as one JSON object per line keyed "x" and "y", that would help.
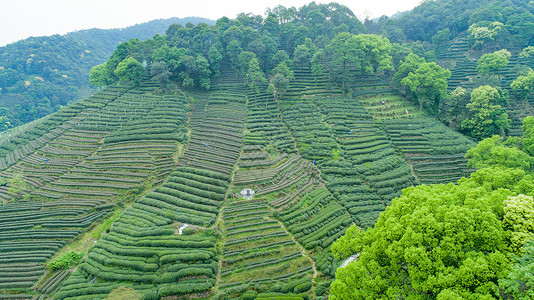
{"x": 425, "y": 20}
{"x": 333, "y": 127}
{"x": 38, "y": 74}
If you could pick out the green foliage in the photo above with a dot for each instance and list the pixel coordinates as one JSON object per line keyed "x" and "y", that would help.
{"x": 519, "y": 284}
{"x": 518, "y": 221}
{"x": 493, "y": 63}
{"x": 317, "y": 63}
{"x": 130, "y": 70}
{"x": 304, "y": 53}
{"x": 65, "y": 261}
{"x": 486, "y": 116}
{"x": 493, "y": 152}
{"x": 376, "y": 52}
{"x": 458, "y": 100}
{"x": 428, "y": 82}
{"x": 481, "y": 33}
{"x": 280, "y": 83}
{"x": 97, "y": 75}
{"x": 441, "y": 37}
{"x": 523, "y": 85}
{"x": 409, "y": 65}
{"x": 437, "y": 240}
{"x": 283, "y": 69}
{"x": 160, "y": 71}
{"x": 254, "y": 76}
{"x": 527, "y": 52}
{"x": 369, "y": 53}
{"x": 528, "y": 135}
{"x": 17, "y": 184}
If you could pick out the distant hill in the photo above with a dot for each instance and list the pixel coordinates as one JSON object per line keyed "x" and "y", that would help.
{"x": 39, "y": 74}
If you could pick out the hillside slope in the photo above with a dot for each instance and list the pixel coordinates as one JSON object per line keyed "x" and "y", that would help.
{"x": 318, "y": 162}
{"x": 40, "y": 74}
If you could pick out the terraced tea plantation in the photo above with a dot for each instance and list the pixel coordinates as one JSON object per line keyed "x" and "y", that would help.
{"x": 225, "y": 193}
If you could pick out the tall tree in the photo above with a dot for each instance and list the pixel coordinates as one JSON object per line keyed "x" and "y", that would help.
{"x": 376, "y": 53}
{"x": 97, "y": 75}
{"x": 130, "y": 70}
{"x": 528, "y": 135}
{"x": 428, "y": 83}
{"x": 215, "y": 57}
{"x": 304, "y": 53}
{"x": 409, "y": 65}
{"x": 317, "y": 64}
{"x": 486, "y": 116}
{"x": 160, "y": 71}
{"x": 523, "y": 85}
{"x": 254, "y": 76}
{"x": 493, "y": 63}
{"x": 342, "y": 54}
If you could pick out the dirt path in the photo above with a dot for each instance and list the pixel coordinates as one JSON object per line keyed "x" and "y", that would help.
{"x": 301, "y": 249}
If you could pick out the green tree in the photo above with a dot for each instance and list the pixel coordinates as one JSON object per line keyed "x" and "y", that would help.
{"x": 280, "y": 83}
{"x": 343, "y": 54}
{"x": 528, "y": 135}
{"x": 282, "y": 68}
{"x": 518, "y": 221}
{"x": 203, "y": 72}
{"x": 458, "y": 100}
{"x": 493, "y": 63}
{"x": 215, "y": 57}
{"x": 428, "y": 82}
{"x": 304, "y": 53}
{"x": 232, "y": 51}
{"x": 160, "y": 71}
{"x": 527, "y": 52}
{"x": 17, "y": 185}
{"x": 270, "y": 91}
{"x": 317, "y": 64}
{"x": 479, "y": 34}
{"x": 486, "y": 116}
{"x": 243, "y": 62}
{"x": 124, "y": 293}
{"x": 434, "y": 240}
{"x": 97, "y": 75}
{"x": 130, "y": 70}
{"x": 254, "y": 76}
{"x": 281, "y": 56}
{"x": 441, "y": 38}
{"x": 172, "y": 56}
{"x": 409, "y": 65}
{"x": 4, "y": 123}
{"x": 376, "y": 52}
{"x": 519, "y": 284}
{"x": 523, "y": 85}
{"x": 493, "y": 152}
{"x": 123, "y": 51}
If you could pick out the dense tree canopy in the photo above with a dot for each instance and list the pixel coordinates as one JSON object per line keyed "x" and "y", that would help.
{"x": 493, "y": 63}
{"x": 486, "y": 113}
{"x": 129, "y": 70}
{"x": 454, "y": 241}
{"x": 523, "y": 85}
{"x": 38, "y": 75}
{"x": 428, "y": 82}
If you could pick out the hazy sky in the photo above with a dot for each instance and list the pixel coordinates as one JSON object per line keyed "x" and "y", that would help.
{"x": 20, "y": 19}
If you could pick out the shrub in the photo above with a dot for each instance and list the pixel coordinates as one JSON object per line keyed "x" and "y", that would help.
{"x": 65, "y": 261}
